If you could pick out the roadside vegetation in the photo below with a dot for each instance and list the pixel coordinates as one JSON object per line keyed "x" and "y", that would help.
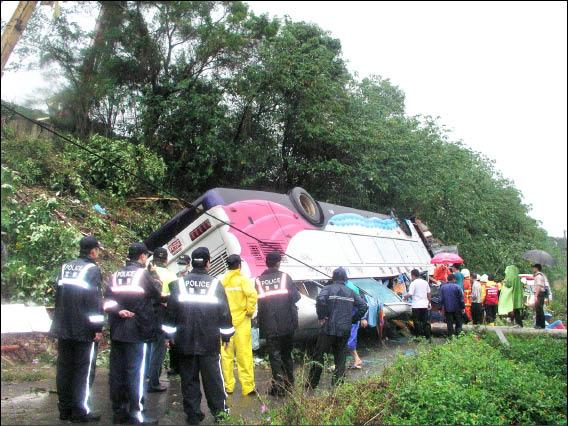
{"x": 469, "y": 380}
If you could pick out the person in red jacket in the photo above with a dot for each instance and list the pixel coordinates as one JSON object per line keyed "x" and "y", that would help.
{"x": 491, "y": 300}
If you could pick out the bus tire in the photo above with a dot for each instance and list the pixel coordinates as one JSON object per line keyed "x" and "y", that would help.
{"x": 306, "y": 206}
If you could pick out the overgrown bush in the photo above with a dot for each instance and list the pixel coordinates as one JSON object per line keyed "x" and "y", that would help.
{"x": 42, "y": 162}
{"x": 466, "y": 381}
{"x": 558, "y": 304}
{"x": 539, "y": 353}
{"x": 135, "y": 158}
{"x": 61, "y": 166}
{"x": 37, "y": 245}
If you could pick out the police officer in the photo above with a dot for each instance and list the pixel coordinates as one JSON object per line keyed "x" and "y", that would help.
{"x": 129, "y": 300}
{"x": 198, "y": 319}
{"x": 277, "y": 320}
{"x": 77, "y": 323}
{"x": 166, "y": 276}
{"x": 337, "y": 307}
{"x": 184, "y": 264}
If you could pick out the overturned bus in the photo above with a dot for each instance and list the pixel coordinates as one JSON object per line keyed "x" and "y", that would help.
{"x": 313, "y": 237}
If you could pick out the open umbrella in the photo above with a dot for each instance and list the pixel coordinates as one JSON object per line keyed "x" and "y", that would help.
{"x": 445, "y": 258}
{"x": 539, "y": 256}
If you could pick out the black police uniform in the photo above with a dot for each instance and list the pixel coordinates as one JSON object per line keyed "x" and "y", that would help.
{"x": 183, "y": 260}
{"x": 339, "y": 307}
{"x": 135, "y": 289}
{"x": 278, "y": 320}
{"x": 78, "y": 316}
{"x": 199, "y": 318}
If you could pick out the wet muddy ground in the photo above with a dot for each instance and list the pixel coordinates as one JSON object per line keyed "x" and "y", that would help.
{"x": 36, "y": 402}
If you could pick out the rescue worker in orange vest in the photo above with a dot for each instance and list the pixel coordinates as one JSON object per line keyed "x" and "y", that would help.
{"x": 467, "y": 291}
{"x": 278, "y": 319}
{"x": 491, "y": 300}
{"x": 241, "y": 296}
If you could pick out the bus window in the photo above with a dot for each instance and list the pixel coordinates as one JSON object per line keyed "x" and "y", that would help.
{"x": 389, "y": 251}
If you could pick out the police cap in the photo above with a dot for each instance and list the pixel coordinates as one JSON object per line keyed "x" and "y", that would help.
{"x": 273, "y": 258}
{"x": 161, "y": 254}
{"x": 184, "y": 259}
{"x": 88, "y": 243}
{"x": 200, "y": 256}
{"x": 137, "y": 249}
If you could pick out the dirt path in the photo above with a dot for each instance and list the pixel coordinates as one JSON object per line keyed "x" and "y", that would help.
{"x": 36, "y": 402}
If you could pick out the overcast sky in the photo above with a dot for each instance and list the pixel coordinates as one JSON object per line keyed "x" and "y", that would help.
{"x": 495, "y": 73}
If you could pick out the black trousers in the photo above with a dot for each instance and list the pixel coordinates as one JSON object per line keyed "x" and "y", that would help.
{"x": 539, "y": 311}
{"x": 127, "y": 369}
{"x": 75, "y": 374}
{"x": 209, "y": 366}
{"x": 326, "y": 344}
{"x": 476, "y": 313}
{"x": 490, "y": 313}
{"x": 420, "y": 321}
{"x": 280, "y": 356}
{"x": 454, "y": 323}
{"x": 518, "y": 316}
{"x": 174, "y": 358}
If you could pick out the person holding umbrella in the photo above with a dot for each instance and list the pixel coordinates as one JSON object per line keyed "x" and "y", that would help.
{"x": 540, "y": 294}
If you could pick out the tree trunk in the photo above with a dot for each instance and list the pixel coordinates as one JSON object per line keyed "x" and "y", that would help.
{"x": 15, "y": 28}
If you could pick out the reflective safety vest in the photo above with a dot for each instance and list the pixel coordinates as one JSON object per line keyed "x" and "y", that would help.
{"x": 467, "y": 291}
{"x": 125, "y": 282}
{"x": 268, "y": 287}
{"x": 197, "y": 291}
{"x": 198, "y": 314}
{"x": 78, "y": 314}
{"x": 132, "y": 288}
{"x": 73, "y": 274}
{"x": 492, "y": 295}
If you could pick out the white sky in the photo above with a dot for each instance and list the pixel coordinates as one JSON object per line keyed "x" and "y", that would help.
{"x": 495, "y": 72}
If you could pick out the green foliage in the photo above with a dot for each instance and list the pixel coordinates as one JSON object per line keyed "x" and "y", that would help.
{"x": 61, "y": 166}
{"x": 38, "y": 245}
{"x": 136, "y": 159}
{"x": 558, "y": 304}
{"x": 465, "y": 381}
{"x": 543, "y": 354}
{"x": 42, "y": 161}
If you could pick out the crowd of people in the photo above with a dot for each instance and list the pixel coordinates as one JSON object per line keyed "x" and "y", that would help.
{"x": 460, "y": 296}
{"x": 205, "y": 322}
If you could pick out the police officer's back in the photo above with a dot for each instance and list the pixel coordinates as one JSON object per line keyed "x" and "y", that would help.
{"x": 198, "y": 319}
{"x": 77, "y": 323}
{"x": 129, "y": 299}
{"x": 278, "y": 320}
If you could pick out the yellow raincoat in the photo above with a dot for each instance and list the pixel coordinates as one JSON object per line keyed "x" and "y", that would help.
{"x": 241, "y": 296}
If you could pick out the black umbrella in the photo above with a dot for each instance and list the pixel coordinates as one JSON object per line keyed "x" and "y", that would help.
{"x": 539, "y": 256}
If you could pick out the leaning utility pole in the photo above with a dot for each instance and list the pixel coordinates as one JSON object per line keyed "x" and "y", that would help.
{"x": 15, "y": 27}
{"x": 18, "y": 23}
